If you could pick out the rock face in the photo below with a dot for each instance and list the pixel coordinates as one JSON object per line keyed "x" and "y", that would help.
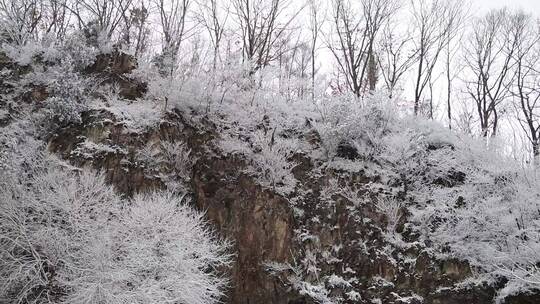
{"x": 342, "y": 240}
{"x": 326, "y": 241}
{"x": 116, "y": 63}
{"x": 113, "y": 68}
{"x": 259, "y": 222}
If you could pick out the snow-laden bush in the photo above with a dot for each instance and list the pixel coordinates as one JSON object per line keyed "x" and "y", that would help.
{"x": 68, "y": 95}
{"x": 67, "y": 237}
{"x": 271, "y": 164}
{"x": 21, "y": 155}
{"x": 359, "y": 123}
{"x": 471, "y": 202}
{"x": 173, "y": 160}
{"x": 391, "y": 208}
{"x": 54, "y": 86}
{"x": 23, "y": 55}
{"x": 269, "y": 158}
{"x": 48, "y": 50}
{"x": 135, "y": 115}
{"x": 46, "y": 225}
{"x": 177, "y": 159}
{"x": 169, "y": 253}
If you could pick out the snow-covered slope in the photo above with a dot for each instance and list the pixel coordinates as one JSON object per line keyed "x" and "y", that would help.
{"x": 336, "y": 200}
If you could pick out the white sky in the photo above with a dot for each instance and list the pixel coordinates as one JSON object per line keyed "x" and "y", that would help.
{"x": 529, "y": 6}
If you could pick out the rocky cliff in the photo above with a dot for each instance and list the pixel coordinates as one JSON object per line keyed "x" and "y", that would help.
{"x": 289, "y": 248}
{"x": 338, "y": 230}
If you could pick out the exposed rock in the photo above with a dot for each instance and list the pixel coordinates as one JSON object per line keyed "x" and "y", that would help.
{"x": 347, "y": 150}
{"x": 115, "y": 63}
{"x": 5, "y": 62}
{"x": 436, "y": 146}
{"x": 451, "y": 179}
{"x": 121, "y": 169}
{"x": 529, "y": 298}
{"x": 114, "y": 68}
{"x": 36, "y": 94}
{"x": 345, "y": 235}
{"x": 258, "y": 221}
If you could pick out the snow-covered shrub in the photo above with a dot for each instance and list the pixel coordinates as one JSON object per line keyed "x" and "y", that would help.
{"x": 391, "y": 208}
{"x": 68, "y": 95}
{"x": 24, "y": 54}
{"x": 168, "y": 253}
{"x": 67, "y": 237}
{"x": 173, "y": 159}
{"x": 46, "y": 227}
{"x": 346, "y": 191}
{"x": 136, "y": 116}
{"x": 21, "y": 155}
{"x": 54, "y": 86}
{"x": 234, "y": 145}
{"x": 295, "y": 276}
{"x": 60, "y": 111}
{"x": 177, "y": 159}
{"x": 74, "y": 49}
{"x": 148, "y": 155}
{"x": 359, "y": 123}
{"x": 270, "y": 163}
{"x": 90, "y": 150}
{"x": 305, "y": 279}
{"x": 471, "y": 202}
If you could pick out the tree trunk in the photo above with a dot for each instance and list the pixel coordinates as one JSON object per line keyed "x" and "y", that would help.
{"x": 449, "y": 87}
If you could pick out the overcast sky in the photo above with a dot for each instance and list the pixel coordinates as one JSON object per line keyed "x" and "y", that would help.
{"x": 529, "y": 6}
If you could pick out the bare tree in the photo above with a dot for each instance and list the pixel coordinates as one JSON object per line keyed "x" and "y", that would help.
{"x": 294, "y": 58}
{"x": 316, "y": 22}
{"x": 214, "y": 19}
{"x": 139, "y": 19}
{"x": 136, "y": 32}
{"x": 396, "y": 56}
{"x": 56, "y": 18}
{"x": 100, "y": 17}
{"x": 356, "y": 30}
{"x": 489, "y": 59}
{"x": 172, "y": 17}
{"x": 372, "y": 74}
{"x": 19, "y": 20}
{"x": 262, "y": 24}
{"x": 433, "y": 20}
{"x": 526, "y": 86}
{"x": 453, "y": 46}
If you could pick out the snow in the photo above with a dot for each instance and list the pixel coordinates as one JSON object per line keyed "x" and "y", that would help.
{"x": 88, "y": 150}
{"x": 466, "y": 199}
{"x": 337, "y": 281}
{"x": 24, "y": 55}
{"x": 414, "y": 298}
{"x": 137, "y": 116}
{"x": 102, "y": 247}
{"x": 353, "y": 295}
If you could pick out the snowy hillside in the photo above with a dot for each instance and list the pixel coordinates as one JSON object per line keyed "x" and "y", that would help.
{"x": 199, "y": 152}
{"x": 382, "y": 207}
